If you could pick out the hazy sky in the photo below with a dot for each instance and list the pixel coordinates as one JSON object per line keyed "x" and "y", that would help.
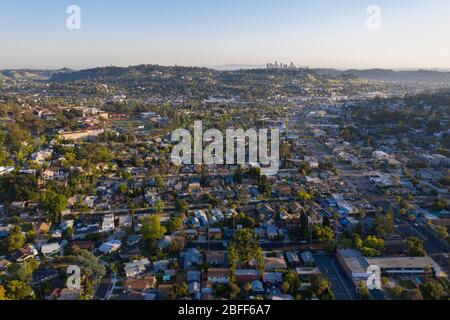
{"x": 317, "y": 33}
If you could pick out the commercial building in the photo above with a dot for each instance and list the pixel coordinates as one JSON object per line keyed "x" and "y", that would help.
{"x": 355, "y": 265}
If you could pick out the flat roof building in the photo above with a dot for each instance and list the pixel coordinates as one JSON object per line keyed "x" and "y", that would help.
{"x": 355, "y": 265}
{"x": 406, "y": 265}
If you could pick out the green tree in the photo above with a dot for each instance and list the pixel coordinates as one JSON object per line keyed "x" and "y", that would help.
{"x": 432, "y": 290}
{"x": 321, "y": 288}
{"x": 232, "y": 256}
{"x": 323, "y": 233}
{"x": 292, "y": 281}
{"x": 415, "y": 247}
{"x": 26, "y": 270}
{"x": 234, "y": 291}
{"x": 15, "y": 239}
{"x": 397, "y": 291}
{"x": 363, "y": 291}
{"x": 389, "y": 226}
{"x": 123, "y": 188}
{"x": 19, "y": 290}
{"x": 374, "y": 243}
{"x": 330, "y": 246}
{"x": 92, "y": 271}
{"x": 246, "y": 246}
{"x": 442, "y": 232}
{"x": 179, "y": 291}
{"x": 159, "y": 181}
{"x": 439, "y": 204}
{"x": 158, "y": 206}
{"x": 247, "y": 287}
{"x": 2, "y": 293}
{"x": 303, "y": 196}
{"x": 54, "y": 204}
{"x": 151, "y": 228}
{"x": 174, "y": 224}
{"x": 68, "y": 233}
{"x": 182, "y": 206}
{"x": 177, "y": 245}
{"x": 380, "y": 226}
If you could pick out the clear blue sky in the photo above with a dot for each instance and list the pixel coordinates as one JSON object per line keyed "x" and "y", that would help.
{"x": 318, "y": 33}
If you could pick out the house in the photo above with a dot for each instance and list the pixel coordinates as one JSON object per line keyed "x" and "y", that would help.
{"x": 70, "y": 294}
{"x": 202, "y": 217}
{"x": 272, "y": 232}
{"x": 246, "y": 275}
{"x": 193, "y": 276}
{"x": 110, "y": 246}
{"x": 222, "y": 276}
{"x": 136, "y": 267}
{"x": 163, "y": 291}
{"x": 125, "y": 221}
{"x": 23, "y": 254}
{"x": 42, "y": 275}
{"x": 274, "y": 262}
{"x": 308, "y": 259}
{"x": 191, "y": 257}
{"x": 217, "y": 213}
{"x": 215, "y": 233}
{"x": 41, "y": 155}
{"x": 45, "y": 227}
{"x": 257, "y": 287}
{"x": 273, "y": 277}
{"x": 4, "y": 231}
{"x": 4, "y": 264}
{"x": 216, "y": 258}
{"x": 164, "y": 243}
{"x": 6, "y": 170}
{"x": 281, "y": 297}
{"x": 295, "y": 208}
{"x": 307, "y": 271}
{"x": 191, "y": 234}
{"x": 266, "y": 211}
{"x": 292, "y": 259}
{"x": 108, "y": 223}
{"x": 136, "y": 296}
{"x": 50, "y": 249}
{"x": 162, "y": 265}
{"x": 140, "y": 284}
{"x": 133, "y": 239}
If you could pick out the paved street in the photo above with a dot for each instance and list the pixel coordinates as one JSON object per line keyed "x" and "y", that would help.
{"x": 342, "y": 287}
{"x": 433, "y": 245}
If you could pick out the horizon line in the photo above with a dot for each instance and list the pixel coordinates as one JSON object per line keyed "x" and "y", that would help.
{"x": 225, "y": 67}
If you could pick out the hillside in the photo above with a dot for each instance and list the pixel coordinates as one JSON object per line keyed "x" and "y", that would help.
{"x": 413, "y": 76}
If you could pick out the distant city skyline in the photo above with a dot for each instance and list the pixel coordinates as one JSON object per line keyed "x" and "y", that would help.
{"x": 413, "y": 34}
